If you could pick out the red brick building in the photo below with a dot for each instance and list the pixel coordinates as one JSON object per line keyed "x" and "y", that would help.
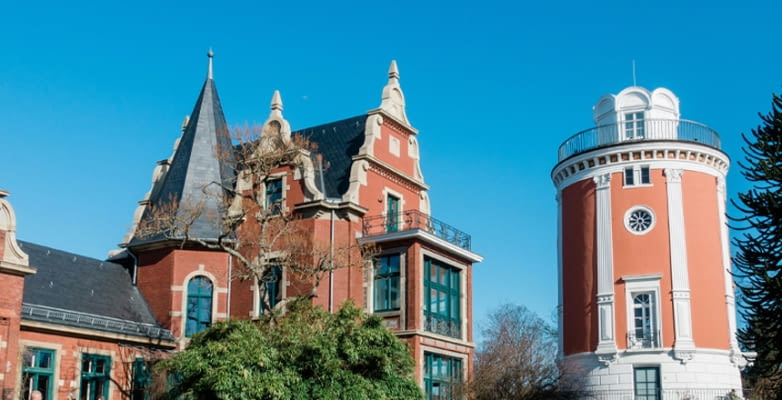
{"x": 373, "y": 192}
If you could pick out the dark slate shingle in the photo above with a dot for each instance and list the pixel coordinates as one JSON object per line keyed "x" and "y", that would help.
{"x": 77, "y": 283}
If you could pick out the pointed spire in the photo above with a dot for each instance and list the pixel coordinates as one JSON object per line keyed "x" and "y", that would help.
{"x": 210, "y": 54}
{"x": 393, "y": 71}
{"x": 276, "y": 101}
{"x": 200, "y": 168}
{"x": 276, "y": 123}
{"x": 393, "y": 101}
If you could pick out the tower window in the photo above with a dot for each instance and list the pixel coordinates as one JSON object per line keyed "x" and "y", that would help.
{"x": 639, "y": 220}
{"x": 199, "y": 305}
{"x": 634, "y": 125}
{"x": 644, "y": 334}
{"x": 646, "y": 383}
{"x": 638, "y": 175}
{"x": 386, "y": 283}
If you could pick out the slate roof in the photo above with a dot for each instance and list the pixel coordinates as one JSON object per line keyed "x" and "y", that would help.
{"x": 75, "y": 290}
{"x": 203, "y": 161}
{"x": 338, "y": 142}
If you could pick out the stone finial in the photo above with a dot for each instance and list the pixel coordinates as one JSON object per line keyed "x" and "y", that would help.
{"x": 276, "y": 101}
{"x": 393, "y": 100}
{"x": 210, "y": 54}
{"x": 393, "y": 70}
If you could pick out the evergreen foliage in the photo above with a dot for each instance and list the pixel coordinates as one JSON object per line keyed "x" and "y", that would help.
{"x": 306, "y": 354}
{"x": 758, "y": 259}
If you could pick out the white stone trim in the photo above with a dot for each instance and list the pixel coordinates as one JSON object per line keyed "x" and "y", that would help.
{"x": 605, "y": 286}
{"x": 13, "y": 254}
{"x": 699, "y": 158}
{"x": 183, "y": 306}
{"x": 422, "y": 349}
{"x": 680, "y": 290}
{"x": 626, "y": 219}
{"x": 399, "y": 196}
{"x": 730, "y": 298}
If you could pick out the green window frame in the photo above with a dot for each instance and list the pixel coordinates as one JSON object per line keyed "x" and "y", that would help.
{"x": 199, "y": 305}
{"x": 141, "y": 380}
{"x": 392, "y": 213}
{"x": 442, "y": 376}
{"x": 273, "y": 198}
{"x": 273, "y": 282}
{"x": 38, "y": 372}
{"x": 95, "y": 377}
{"x": 386, "y": 283}
{"x": 442, "y": 298}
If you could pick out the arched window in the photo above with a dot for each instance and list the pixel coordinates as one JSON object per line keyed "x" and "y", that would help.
{"x": 199, "y": 305}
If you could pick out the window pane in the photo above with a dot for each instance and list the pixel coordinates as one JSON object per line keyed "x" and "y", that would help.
{"x": 645, "y": 175}
{"x": 629, "y": 177}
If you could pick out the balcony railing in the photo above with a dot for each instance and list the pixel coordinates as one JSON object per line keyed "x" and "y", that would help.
{"x": 652, "y": 129}
{"x": 410, "y": 220}
{"x": 442, "y": 326}
{"x": 650, "y": 340}
{"x": 666, "y": 394}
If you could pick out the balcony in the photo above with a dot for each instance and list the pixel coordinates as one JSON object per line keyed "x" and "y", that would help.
{"x": 415, "y": 220}
{"x": 645, "y": 130}
{"x": 646, "y": 341}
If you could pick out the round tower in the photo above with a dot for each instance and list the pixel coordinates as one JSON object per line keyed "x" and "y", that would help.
{"x": 646, "y": 300}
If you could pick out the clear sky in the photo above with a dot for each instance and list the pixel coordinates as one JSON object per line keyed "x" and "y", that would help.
{"x": 93, "y": 94}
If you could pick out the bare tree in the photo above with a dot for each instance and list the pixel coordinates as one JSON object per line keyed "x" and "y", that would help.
{"x": 517, "y": 359}
{"x": 260, "y": 234}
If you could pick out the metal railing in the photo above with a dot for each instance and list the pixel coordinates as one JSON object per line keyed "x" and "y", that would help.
{"x": 652, "y": 129}
{"x": 666, "y": 394}
{"x": 410, "y": 220}
{"x": 442, "y": 326}
{"x": 649, "y": 340}
{"x": 91, "y": 321}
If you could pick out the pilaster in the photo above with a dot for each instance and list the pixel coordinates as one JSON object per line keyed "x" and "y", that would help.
{"x": 606, "y": 347}
{"x": 683, "y": 345}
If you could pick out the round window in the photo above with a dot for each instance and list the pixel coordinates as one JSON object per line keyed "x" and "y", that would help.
{"x": 639, "y": 220}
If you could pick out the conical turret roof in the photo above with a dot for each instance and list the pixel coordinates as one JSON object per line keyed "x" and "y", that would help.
{"x": 202, "y": 167}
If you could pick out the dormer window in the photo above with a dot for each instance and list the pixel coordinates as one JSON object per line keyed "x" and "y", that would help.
{"x": 634, "y": 125}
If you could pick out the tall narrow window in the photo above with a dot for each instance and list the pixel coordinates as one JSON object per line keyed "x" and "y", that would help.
{"x": 634, "y": 125}
{"x": 95, "y": 377}
{"x": 644, "y": 324}
{"x": 646, "y": 383}
{"x": 272, "y": 283}
{"x": 38, "y": 372}
{"x": 392, "y": 213}
{"x": 442, "y": 303}
{"x": 386, "y": 283}
{"x": 199, "y": 305}
{"x": 645, "y": 179}
{"x": 142, "y": 380}
{"x": 273, "y": 201}
{"x": 441, "y": 375}
{"x": 629, "y": 176}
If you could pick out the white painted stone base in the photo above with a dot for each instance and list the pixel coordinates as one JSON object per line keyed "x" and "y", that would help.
{"x": 708, "y": 370}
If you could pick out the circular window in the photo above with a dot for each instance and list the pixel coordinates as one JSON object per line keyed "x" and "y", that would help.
{"x": 639, "y": 220}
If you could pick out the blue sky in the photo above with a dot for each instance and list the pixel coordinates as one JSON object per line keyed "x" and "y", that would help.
{"x": 91, "y": 95}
